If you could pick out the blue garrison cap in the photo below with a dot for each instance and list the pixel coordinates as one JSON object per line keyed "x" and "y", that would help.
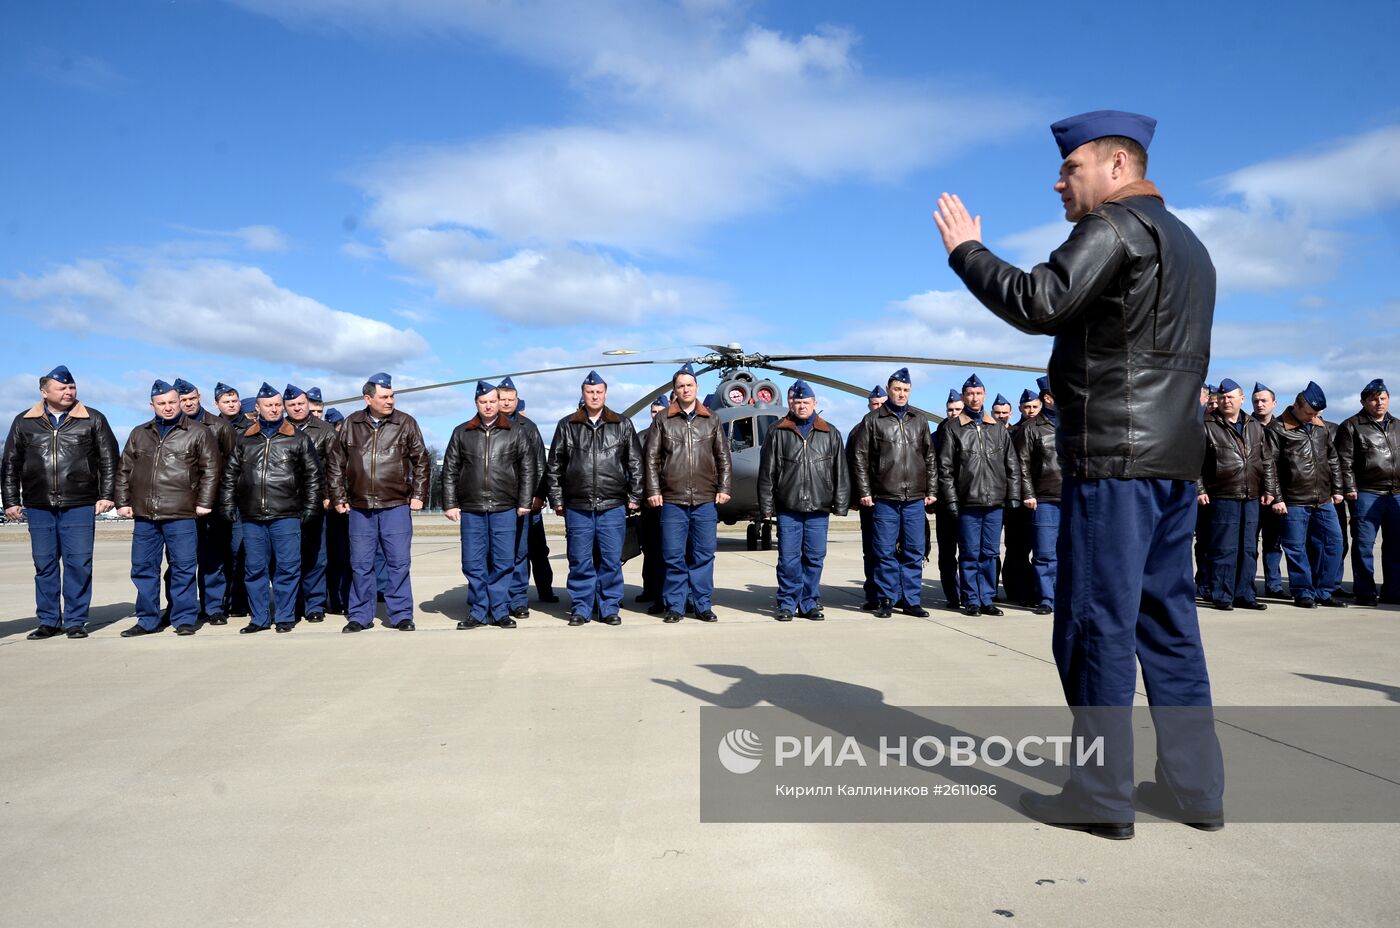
{"x": 686, "y": 368}
{"x": 1227, "y": 385}
{"x": 60, "y": 374}
{"x": 876, "y": 392}
{"x": 334, "y": 415}
{"x": 184, "y": 387}
{"x": 1001, "y": 401}
{"x": 1371, "y": 389}
{"x": 292, "y": 392}
{"x": 248, "y": 406}
{"x": 314, "y": 394}
{"x": 221, "y": 388}
{"x": 1314, "y": 396}
{"x": 506, "y": 384}
{"x": 1028, "y": 396}
{"x": 1212, "y": 388}
{"x": 973, "y": 381}
{"x": 593, "y": 380}
{"x": 159, "y": 387}
{"x": 1260, "y": 388}
{"x": 899, "y": 376}
{"x": 520, "y": 406}
{"x": 267, "y": 391}
{"x": 483, "y": 388}
{"x": 954, "y": 396}
{"x": 382, "y": 379}
{"x": 1076, "y": 130}
{"x": 802, "y": 390}
{"x": 662, "y": 400}
{"x": 1043, "y": 383}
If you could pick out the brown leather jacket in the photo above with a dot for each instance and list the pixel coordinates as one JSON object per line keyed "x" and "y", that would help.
{"x": 687, "y": 459}
{"x": 376, "y": 468}
{"x": 224, "y": 433}
{"x": 166, "y": 478}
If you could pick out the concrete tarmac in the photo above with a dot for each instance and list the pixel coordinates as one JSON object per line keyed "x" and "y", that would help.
{"x": 548, "y": 775}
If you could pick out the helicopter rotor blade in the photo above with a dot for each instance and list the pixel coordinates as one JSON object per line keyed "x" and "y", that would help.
{"x": 907, "y": 359}
{"x": 834, "y": 384}
{"x": 494, "y": 377}
{"x": 645, "y": 401}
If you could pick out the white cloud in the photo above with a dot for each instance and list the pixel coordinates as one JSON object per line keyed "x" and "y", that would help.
{"x": 215, "y": 307}
{"x": 1354, "y": 176}
{"x": 262, "y": 238}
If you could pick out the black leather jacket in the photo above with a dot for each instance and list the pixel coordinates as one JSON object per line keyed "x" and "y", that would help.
{"x": 489, "y": 470}
{"x": 852, "y": 441}
{"x": 1129, "y": 298}
{"x": 225, "y": 433}
{"x": 895, "y": 459}
{"x": 378, "y": 468}
{"x": 322, "y": 435}
{"x": 272, "y": 477}
{"x": 687, "y": 459}
{"x": 543, "y": 481}
{"x": 595, "y": 468}
{"x": 73, "y": 465}
{"x": 168, "y": 478}
{"x": 1369, "y": 454}
{"x": 978, "y": 464}
{"x": 1040, "y": 467}
{"x": 803, "y": 475}
{"x": 1237, "y": 466}
{"x": 1306, "y": 461}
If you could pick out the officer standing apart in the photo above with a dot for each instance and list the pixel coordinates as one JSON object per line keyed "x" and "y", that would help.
{"x": 379, "y": 469}
{"x": 168, "y": 477}
{"x": 1238, "y": 475}
{"x": 688, "y": 476}
{"x": 1310, "y": 483}
{"x": 273, "y": 478}
{"x": 896, "y": 475}
{"x": 979, "y": 475}
{"x": 595, "y": 475}
{"x": 1129, "y": 298}
{"x": 59, "y": 472}
{"x": 532, "y": 552}
{"x": 1040, "y": 476}
{"x": 874, "y": 400}
{"x": 1368, "y": 451}
{"x": 311, "y": 587}
{"x": 488, "y": 481}
{"x": 802, "y": 479}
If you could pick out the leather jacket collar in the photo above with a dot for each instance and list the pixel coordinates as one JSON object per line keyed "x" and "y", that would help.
{"x": 79, "y": 411}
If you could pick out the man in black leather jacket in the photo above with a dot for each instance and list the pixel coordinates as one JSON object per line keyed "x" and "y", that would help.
{"x": 489, "y": 477}
{"x": 273, "y": 478}
{"x": 1310, "y": 483}
{"x": 595, "y": 478}
{"x": 1236, "y": 477}
{"x": 874, "y": 400}
{"x": 1368, "y": 451}
{"x": 802, "y": 480}
{"x": 896, "y": 476}
{"x": 59, "y": 472}
{"x": 311, "y": 590}
{"x": 1129, "y": 299}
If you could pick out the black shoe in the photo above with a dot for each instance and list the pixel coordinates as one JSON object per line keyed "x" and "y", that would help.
{"x": 1331, "y": 604}
{"x": 1043, "y": 609}
{"x": 577, "y": 620}
{"x": 136, "y": 631}
{"x": 1367, "y": 601}
{"x": 884, "y": 609}
{"x": 548, "y": 598}
{"x": 918, "y": 612}
{"x": 990, "y": 610}
{"x": 970, "y": 611}
{"x": 251, "y": 629}
{"x": 316, "y": 617}
{"x": 783, "y": 615}
{"x": 184, "y": 631}
{"x": 218, "y": 618}
{"x": 469, "y": 624}
{"x": 406, "y": 626}
{"x": 1154, "y": 798}
{"x": 522, "y": 613}
{"x": 1223, "y": 607}
{"x": 1053, "y": 810}
{"x": 507, "y": 622}
{"x": 1305, "y": 602}
{"x": 656, "y": 608}
{"x": 77, "y": 631}
{"x": 284, "y": 627}
{"x": 1255, "y": 605}
{"x": 869, "y": 606}
{"x": 44, "y": 631}
{"x": 612, "y": 620}
{"x": 671, "y": 618}
{"x": 816, "y": 614}
{"x": 351, "y": 627}
{"x": 707, "y": 616}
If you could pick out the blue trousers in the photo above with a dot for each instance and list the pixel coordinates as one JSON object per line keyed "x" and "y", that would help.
{"x": 371, "y": 529}
{"x": 1045, "y": 538}
{"x": 489, "y": 544}
{"x": 1374, "y": 513}
{"x": 594, "y": 542}
{"x": 273, "y": 546}
{"x": 1233, "y": 551}
{"x": 979, "y": 543}
{"x": 688, "y": 548}
{"x": 60, "y": 540}
{"x": 1270, "y": 524}
{"x": 1125, "y": 594}
{"x": 311, "y": 592}
{"x": 177, "y": 540}
{"x": 801, "y": 553}
{"x": 1312, "y": 543}
{"x": 899, "y": 575}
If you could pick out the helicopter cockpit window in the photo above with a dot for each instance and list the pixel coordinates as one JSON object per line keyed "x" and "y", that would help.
{"x": 741, "y": 434}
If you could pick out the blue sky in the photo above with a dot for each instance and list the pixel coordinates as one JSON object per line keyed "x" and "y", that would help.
{"x": 312, "y": 190}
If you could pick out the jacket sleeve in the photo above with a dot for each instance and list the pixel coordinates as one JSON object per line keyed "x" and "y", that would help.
{"x": 1205, "y": 461}
{"x": 336, "y": 455}
{"x": 767, "y": 462}
{"x": 121, "y": 492}
{"x": 1052, "y": 294}
{"x": 1022, "y": 443}
{"x": 105, "y": 445}
{"x": 841, "y": 479}
{"x": 13, "y": 466}
{"x": 311, "y": 491}
{"x": 1270, "y": 467}
{"x": 530, "y": 457}
{"x": 1336, "y": 466}
{"x": 947, "y": 461}
{"x": 418, "y": 460}
{"x": 861, "y": 456}
{"x": 543, "y": 485}
{"x": 1015, "y": 482}
{"x": 228, "y": 484}
{"x": 207, "y": 455}
{"x": 451, "y": 463}
{"x": 636, "y": 484}
{"x": 1345, "y": 446}
{"x": 930, "y": 462}
{"x": 655, "y": 437}
{"x": 724, "y": 465}
{"x": 558, "y": 463}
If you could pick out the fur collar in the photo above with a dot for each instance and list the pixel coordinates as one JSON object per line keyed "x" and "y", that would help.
{"x": 284, "y": 429}
{"x": 700, "y": 410}
{"x": 1291, "y": 422}
{"x": 608, "y": 416}
{"x": 789, "y": 423}
{"x": 474, "y": 423}
{"x": 965, "y": 419}
{"x": 79, "y": 411}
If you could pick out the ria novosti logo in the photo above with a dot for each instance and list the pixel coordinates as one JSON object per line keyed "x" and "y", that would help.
{"x": 740, "y": 751}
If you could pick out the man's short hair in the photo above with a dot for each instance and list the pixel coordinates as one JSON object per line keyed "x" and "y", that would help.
{"x": 44, "y": 382}
{"x": 1137, "y": 155}
{"x": 369, "y": 389}
{"x": 679, "y": 374}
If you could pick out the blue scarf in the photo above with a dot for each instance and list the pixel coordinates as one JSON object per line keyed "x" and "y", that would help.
{"x": 897, "y": 410}
{"x": 804, "y": 426}
{"x": 163, "y": 426}
{"x": 268, "y": 429}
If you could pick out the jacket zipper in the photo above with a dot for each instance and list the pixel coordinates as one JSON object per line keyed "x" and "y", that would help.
{"x": 373, "y": 456}
{"x": 160, "y": 447}
{"x": 53, "y": 463}
{"x": 487, "y": 439}
{"x": 267, "y": 451}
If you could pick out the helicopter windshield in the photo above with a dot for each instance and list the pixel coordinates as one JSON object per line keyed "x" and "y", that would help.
{"x": 749, "y": 432}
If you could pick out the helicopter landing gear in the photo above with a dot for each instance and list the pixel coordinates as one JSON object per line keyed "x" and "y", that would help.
{"x": 759, "y": 536}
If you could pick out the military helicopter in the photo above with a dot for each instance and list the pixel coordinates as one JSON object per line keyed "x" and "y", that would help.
{"x": 746, "y": 403}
